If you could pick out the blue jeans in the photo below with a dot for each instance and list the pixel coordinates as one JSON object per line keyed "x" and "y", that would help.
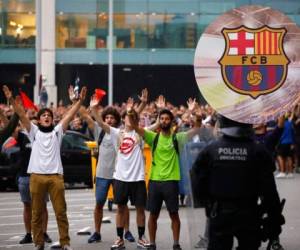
{"x": 102, "y": 186}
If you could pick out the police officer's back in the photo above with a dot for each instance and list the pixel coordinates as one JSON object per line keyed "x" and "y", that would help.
{"x": 229, "y": 176}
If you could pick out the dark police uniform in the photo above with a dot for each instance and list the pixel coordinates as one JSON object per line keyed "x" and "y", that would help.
{"x": 229, "y": 176}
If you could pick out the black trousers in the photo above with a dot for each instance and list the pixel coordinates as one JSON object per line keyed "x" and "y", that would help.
{"x": 234, "y": 221}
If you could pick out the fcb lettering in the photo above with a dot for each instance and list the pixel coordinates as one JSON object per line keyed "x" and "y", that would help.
{"x": 254, "y": 62}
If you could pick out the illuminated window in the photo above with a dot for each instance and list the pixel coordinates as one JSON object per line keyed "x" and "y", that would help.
{"x": 17, "y": 23}
{"x": 74, "y": 30}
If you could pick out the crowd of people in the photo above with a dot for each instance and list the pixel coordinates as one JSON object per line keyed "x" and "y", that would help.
{"x": 120, "y": 131}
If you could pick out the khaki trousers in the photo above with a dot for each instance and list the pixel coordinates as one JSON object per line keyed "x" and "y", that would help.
{"x": 40, "y": 184}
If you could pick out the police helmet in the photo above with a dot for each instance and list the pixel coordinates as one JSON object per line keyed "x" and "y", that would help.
{"x": 233, "y": 128}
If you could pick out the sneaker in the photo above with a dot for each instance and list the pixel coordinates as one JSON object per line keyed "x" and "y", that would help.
{"x": 119, "y": 244}
{"x": 27, "y": 239}
{"x": 39, "y": 247}
{"x": 290, "y": 175}
{"x": 202, "y": 243}
{"x": 47, "y": 238}
{"x": 152, "y": 247}
{"x": 143, "y": 243}
{"x": 128, "y": 236}
{"x": 96, "y": 237}
{"x": 280, "y": 175}
{"x": 67, "y": 247}
{"x": 177, "y": 247}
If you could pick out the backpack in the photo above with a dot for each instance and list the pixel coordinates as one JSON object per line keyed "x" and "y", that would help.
{"x": 174, "y": 140}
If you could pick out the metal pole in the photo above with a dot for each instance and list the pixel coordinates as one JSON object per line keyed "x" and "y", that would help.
{"x": 110, "y": 53}
{"x": 38, "y": 49}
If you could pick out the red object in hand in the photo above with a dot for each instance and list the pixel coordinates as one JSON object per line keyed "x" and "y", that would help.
{"x": 100, "y": 93}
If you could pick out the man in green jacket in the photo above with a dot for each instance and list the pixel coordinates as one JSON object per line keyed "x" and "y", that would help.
{"x": 165, "y": 172}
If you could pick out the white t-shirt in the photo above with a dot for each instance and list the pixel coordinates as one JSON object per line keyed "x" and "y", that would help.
{"x": 130, "y": 160}
{"x": 107, "y": 155}
{"x": 45, "y": 154}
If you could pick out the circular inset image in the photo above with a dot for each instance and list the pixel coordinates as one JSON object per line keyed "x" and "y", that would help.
{"x": 247, "y": 64}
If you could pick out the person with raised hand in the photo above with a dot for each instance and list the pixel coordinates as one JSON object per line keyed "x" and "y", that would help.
{"x": 105, "y": 165}
{"x": 165, "y": 172}
{"x": 8, "y": 126}
{"x": 45, "y": 167}
{"x": 129, "y": 175}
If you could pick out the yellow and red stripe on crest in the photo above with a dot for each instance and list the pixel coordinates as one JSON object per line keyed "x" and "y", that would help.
{"x": 266, "y": 43}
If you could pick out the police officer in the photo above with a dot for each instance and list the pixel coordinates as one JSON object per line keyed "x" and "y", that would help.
{"x": 222, "y": 179}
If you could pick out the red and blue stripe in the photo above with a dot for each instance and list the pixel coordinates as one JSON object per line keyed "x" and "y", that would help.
{"x": 271, "y": 76}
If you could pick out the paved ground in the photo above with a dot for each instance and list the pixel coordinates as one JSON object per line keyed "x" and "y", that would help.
{"x": 80, "y": 210}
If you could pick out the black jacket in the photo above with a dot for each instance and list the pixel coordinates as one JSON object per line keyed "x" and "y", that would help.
{"x": 234, "y": 169}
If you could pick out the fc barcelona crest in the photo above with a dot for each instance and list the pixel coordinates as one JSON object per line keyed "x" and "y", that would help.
{"x": 254, "y": 62}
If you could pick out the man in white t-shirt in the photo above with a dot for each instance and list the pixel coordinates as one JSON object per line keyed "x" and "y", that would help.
{"x": 129, "y": 175}
{"x": 105, "y": 168}
{"x": 46, "y": 168}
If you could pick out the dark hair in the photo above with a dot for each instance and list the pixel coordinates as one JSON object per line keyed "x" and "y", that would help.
{"x": 111, "y": 111}
{"x": 33, "y": 118}
{"x": 44, "y": 110}
{"x": 134, "y": 114}
{"x": 168, "y": 112}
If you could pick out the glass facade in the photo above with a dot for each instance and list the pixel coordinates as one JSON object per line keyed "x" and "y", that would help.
{"x": 145, "y": 31}
{"x": 130, "y": 30}
{"x": 146, "y": 24}
{"x": 17, "y": 24}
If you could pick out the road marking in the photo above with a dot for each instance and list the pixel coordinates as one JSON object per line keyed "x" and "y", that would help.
{"x": 52, "y": 222}
{"x": 70, "y": 214}
{"x": 48, "y": 231}
{"x": 10, "y": 246}
{"x": 11, "y": 216}
{"x": 91, "y": 199}
{"x": 88, "y": 208}
{"x": 21, "y": 208}
{"x": 15, "y": 238}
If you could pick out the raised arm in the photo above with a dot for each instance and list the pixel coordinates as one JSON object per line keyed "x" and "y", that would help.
{"x": 93, "y": 105}
{"x": 9, "y": 128}
{"x": 82, "y": 110}
{"x": 87, "y": 118}
{"x": 74, "y": 109}
{"x": 144, "y": 100}
{"x": 196, "y": 116}
{"x": 160, "y": 103}
{"x": 197, "y": 125}
{"x": 17, "y": 108}
{"x": 155, "y": 125}
{"x": 3, "y": 118}
{"x": 135, "y": 124}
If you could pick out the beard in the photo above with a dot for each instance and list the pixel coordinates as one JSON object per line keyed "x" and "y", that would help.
{"x": 165, "y": 127}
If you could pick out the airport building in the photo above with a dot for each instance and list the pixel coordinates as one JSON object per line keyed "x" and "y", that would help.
{"x": 54, "y": 42}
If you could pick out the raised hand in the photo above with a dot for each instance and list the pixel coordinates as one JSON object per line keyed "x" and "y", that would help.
{"x": 191, "y": 103}
{"x": 7, "y": 92}
{"x": 94, "y": 101}
{"x": 72, "y": 95}
{"x": 144, "y": 95}
{"x": 82, "y": 94}
{"x": 18, "y": 108}
{"x": 160, "y": 102}
{"x": 129, "y": 103}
